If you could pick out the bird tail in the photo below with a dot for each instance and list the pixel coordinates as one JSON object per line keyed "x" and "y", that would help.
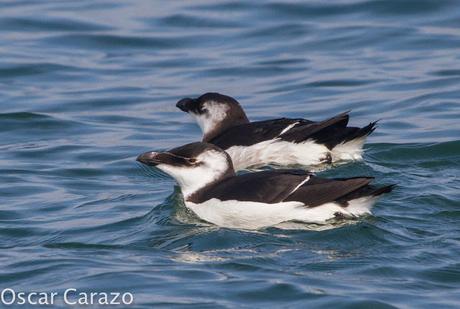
{"x": 321, "y": 131}
{"x": 349, "y": 146}
{"x": 354, "y": 133}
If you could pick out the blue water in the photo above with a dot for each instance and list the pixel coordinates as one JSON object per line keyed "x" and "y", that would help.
{"x": 85, "y": 86}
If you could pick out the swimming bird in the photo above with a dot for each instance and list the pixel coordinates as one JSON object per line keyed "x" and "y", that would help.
{"x": 213, "y": 191}
{"x": 282, "y": 141}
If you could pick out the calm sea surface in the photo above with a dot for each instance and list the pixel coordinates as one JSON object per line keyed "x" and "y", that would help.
{"x": 85, "y": 86}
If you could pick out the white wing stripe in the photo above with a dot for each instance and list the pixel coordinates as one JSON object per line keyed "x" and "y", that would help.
{"x": 300, "y": 184}
{"x": 288, "y": 128}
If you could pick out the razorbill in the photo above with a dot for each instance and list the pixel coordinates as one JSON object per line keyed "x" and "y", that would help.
{"x": 281, "y": 141}
{"x": 213, "y": 191}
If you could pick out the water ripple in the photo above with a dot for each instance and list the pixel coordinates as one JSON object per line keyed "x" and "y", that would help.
{"x": 86, "y": 86}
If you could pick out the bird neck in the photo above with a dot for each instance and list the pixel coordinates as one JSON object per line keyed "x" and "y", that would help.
{"x": 232, "y": 119}
{"x": 195, "y": 192}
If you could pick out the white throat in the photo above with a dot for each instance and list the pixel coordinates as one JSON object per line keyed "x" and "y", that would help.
{"x": 215, "y": 114}
{"x": 191, "y": 179}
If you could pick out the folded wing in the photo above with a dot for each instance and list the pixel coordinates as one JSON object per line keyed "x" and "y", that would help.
{"x": 256, "y": 132}
{"x": 289, "y": 185}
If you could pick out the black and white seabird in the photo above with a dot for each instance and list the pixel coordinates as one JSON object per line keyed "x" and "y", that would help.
{"x": 213, "y": 191}
{"x": 280, "y": 141}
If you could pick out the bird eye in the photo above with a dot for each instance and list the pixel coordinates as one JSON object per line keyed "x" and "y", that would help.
{"x": 203, "y": 110}
{"x": 191, "y": 160}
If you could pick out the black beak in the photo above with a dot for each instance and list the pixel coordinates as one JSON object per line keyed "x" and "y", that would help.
{"x": 151, "y": 158}
{"x": 185, "y": 104}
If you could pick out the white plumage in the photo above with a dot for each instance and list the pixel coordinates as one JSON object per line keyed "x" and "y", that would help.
{"x": 253, "y": 215}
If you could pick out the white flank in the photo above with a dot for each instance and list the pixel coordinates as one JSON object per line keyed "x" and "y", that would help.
{"x": 284, "y": 153}
{"x": 349, "y": 151}
{"x": 277, "y": 152}
{"x": 253, "y": 215}
{"x": 361, "y": 206}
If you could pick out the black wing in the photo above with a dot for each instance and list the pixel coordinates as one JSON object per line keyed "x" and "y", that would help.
{"x": 334, "y": 135}
{"x": 266, "y": 187}
{"x": 255, "y": 132}
{"x": 283, "y": 185}
{"x": 318, "y": 191}
{"x": 330, "y": 132}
